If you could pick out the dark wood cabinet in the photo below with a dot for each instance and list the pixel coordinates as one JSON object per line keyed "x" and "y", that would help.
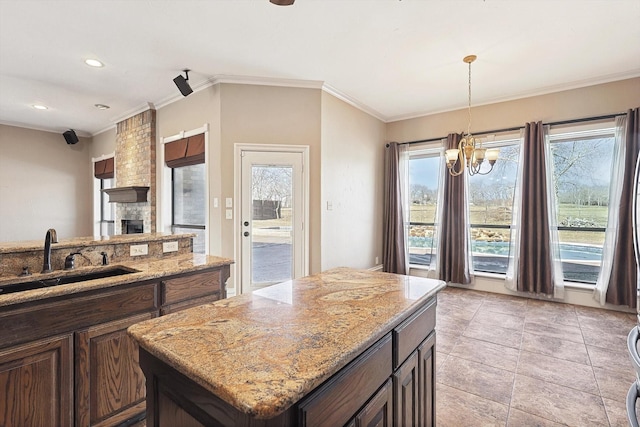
{"x": 378, "y": 412}
{"x": 110, "y": 386}
{"x": 84, "y": 336}
{"x": 426, "y": 381}
{"x": 36, "y": 383}
{"x": 406, "y": 394}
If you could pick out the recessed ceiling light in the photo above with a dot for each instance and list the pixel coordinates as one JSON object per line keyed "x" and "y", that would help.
{"x": 40, "y": 107}
{"x": 102, "y": 107}
{"x": 93, "y": 63}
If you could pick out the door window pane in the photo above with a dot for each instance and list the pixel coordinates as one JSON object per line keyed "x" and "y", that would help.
{"x": 581, "y": 176}
{"x": 490, "y": 211}
{"x": 271, "y": 224}
{"x": 107, "y": 210}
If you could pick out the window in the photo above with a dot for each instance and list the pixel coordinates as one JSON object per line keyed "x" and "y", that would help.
{"x": 582, "y": 166}
{"x": 490, "y": 209}
{"x": 424, "y": 173}
{"x": 189, "y": 203}
{"x": 104, "y": 212}
{"x": 107, "y": 210}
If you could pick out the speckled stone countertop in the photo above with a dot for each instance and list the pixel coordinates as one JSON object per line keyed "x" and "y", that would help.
{"x": 263, "y": 352}
{"x": 144, "y": 270}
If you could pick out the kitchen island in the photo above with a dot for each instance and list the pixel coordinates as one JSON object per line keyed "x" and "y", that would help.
{"x": 340, "y": 347}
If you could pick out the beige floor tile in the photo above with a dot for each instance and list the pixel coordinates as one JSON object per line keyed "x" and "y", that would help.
{"x": 563, "y": 332}
{"x": 446, "y": 341}
{"x": 440, "y": 358}
{"x": 614, "y": 384}
{"x": 455, "y": 408}
{"x": 475, "y": 378}
{"x": 510, "y": 305}
{"x": 551, "y": 313}
{"x": 558, "y": 371}
{"x": 496, "y": 335}
{"x": 456, "y": 310}
{"x": 494, "y": 355}
{"x": 605, "y": 339}
{"x": 492, "y": 318}
{"x": 558, "y": 403}
{"x": 617, "y": 413}
{"x": 520, "y": 419}
{"x": 613, "y": 360}
{"x": 555, "y": 347}
{"x": 451, "y": 325}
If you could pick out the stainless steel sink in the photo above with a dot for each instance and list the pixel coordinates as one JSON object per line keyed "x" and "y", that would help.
{"x": 65, "y": 279}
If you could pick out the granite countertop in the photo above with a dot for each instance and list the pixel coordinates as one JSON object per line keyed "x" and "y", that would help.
{"x": 145, "y": 269}
{"x": 263, "y": 352}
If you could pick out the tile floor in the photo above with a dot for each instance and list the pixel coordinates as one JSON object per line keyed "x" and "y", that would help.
{"x": 509, "y": 361}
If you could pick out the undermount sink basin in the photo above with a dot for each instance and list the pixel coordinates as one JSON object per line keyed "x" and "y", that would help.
{"x": 65, "y": 279}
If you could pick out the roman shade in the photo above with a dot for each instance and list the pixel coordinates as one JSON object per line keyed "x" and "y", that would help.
{"x": 185, "y": 152}
{"x": 103, "y": 169}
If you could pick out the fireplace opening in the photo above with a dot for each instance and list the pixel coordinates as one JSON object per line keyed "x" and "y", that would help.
{"x": 132, "y": 226}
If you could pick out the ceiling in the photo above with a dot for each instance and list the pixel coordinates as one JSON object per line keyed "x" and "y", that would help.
{"x": 394, "y": 59}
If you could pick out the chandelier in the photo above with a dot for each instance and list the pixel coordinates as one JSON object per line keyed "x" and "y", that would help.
{"x": 470, "y": 151}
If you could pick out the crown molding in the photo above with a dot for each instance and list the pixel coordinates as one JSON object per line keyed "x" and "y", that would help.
{"x": 353, "y": 102}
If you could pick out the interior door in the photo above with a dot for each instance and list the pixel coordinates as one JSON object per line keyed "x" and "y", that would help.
{"x": 272, "y": 213}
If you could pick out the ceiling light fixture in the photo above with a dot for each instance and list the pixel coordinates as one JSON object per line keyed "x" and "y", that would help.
{"x": 40, "y": 107}
{"x": 282, "y": 2}
{"x": 102, "y": 106}
{"x": 470, "y": 149}
{"x": 93, "y": 63}
{"x": 183, "y": 83}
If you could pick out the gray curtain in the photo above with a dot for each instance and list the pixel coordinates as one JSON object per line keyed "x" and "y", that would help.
{"x": 535, "y": 267}
{"x": 453, "y": 254}
{"x": 622, "y": 283}
{"x": 393, "y": 239}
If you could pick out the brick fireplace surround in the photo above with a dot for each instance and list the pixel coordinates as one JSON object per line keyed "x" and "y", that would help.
{"x": 135, "y": 165}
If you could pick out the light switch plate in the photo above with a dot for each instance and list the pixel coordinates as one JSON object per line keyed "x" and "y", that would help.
{"x": 137, "y": 250}
{"x": 215, "y": 202}
{"x": 229, "y": 214}
{"x": 169, "y": 247}
{"x": 228, "y": 202}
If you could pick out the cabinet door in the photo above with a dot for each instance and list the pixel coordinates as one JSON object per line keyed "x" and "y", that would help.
{"x": 406, "y": 390}
{"x": 110, "y": 386}
{"x": 36, "y": 383}
{"x": 378, "y": 411}
{"x": 427, "y": 381}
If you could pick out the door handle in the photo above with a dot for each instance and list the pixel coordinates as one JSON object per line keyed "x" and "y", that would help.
{"x": 246, "y": 233}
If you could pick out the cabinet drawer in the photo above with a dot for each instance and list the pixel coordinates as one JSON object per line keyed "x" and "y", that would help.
{"x": 340, "y": 398}
{"x": 190, "y": 286}
{"x": 190, "y": 303}
{"x": 410, "y": 333}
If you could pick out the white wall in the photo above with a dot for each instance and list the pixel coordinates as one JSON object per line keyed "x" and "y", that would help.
{"x": 352, "y": 179}
{"x": 44, "y": 183}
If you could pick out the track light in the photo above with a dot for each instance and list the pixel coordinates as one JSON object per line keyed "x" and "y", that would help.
{"x": 183, "y": 83}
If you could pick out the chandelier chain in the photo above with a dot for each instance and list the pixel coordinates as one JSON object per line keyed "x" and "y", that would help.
{"x": 469, "y": 102}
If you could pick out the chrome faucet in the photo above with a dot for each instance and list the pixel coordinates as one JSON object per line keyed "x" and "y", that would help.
{"x": 51, "y": 237}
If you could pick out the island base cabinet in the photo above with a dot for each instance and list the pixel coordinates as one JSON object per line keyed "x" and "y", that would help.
{"x": 39, "y": 373}
{"x": 378, "y": 412}
{"x": 427, "y": 388}
{"x": 407, "y": 401}
{"x": 110, "y": 386}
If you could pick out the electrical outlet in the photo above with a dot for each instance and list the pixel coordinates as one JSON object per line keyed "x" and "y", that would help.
{"x": 137, "y": 250}
{"x": 215, "y": 202}
{"x": 377, "y": 260}
{"x": 228, "y": 202}
{"x": 169, "y": 247}
{"x": 229, "y": 214}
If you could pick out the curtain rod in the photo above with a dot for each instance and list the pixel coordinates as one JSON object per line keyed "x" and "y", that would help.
{"x": 564, "y": 122}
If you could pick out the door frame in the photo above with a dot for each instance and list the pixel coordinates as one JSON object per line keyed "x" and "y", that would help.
{"x": 237, "y": 208}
